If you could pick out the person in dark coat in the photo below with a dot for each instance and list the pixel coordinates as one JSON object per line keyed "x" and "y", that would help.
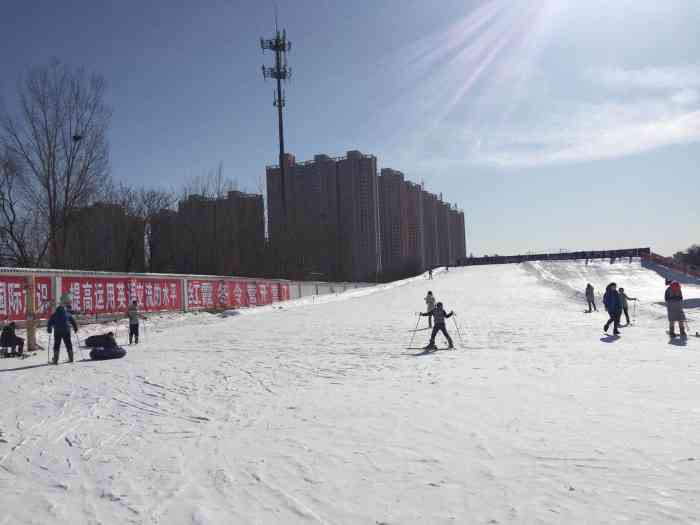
{"x": 101, "y": 341}
{"x": 590, "y": 298}
{"x": 60, "y": 322}
{"x": 439, "y": 316}
{"x": 613, "y": 305}
{"x": 9, "y": 339}
{"x": 674, "y": 309}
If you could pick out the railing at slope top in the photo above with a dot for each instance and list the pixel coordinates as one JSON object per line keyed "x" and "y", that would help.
{"x": 559, "y": 256}
{"x": 671, "y": 264}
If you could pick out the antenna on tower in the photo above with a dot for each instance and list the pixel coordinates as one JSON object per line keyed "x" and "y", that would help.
{"x": 281, "y": 73}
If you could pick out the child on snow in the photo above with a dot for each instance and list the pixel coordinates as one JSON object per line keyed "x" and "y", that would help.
{"x": 674, "y": 309}
{"x": 430, "y": 305}
{"x": 613, "y": 305}
{"x": 625, "y": 304}
{"x": 439, "y": 315}
{"x": 133, "y": 315}
{"x": 9, "y": 339}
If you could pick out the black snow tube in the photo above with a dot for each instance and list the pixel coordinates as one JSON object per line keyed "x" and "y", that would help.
{"x": 114, "y": 352}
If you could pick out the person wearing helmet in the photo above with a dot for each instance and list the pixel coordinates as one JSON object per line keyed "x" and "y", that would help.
{"x": 430, "y": 305}
{"x": 674, "y": 309}
{"x": 439, "y": 315}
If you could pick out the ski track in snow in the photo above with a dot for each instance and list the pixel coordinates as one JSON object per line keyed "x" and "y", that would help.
{"x": 316, "y": 413}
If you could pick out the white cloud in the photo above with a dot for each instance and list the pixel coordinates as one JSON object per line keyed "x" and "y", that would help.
{"x": 599, "y": 133}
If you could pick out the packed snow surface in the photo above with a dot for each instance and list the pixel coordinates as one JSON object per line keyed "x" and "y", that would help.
{"x": 317, "y": 413}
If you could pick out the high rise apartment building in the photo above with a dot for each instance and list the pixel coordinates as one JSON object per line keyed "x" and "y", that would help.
{"x": 340, "y": 221}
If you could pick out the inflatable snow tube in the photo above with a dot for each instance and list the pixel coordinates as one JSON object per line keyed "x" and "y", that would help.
{"x": 100, "y": 353}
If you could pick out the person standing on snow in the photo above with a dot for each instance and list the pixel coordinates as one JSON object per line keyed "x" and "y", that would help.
{"x": 430, "y": 306}
{"x": 439, "y": 315}
{"x": 133, "y": 314}
{"x": 674, "y": 309}
{"x": 625, "y": 305}
{"x": 613, "y": 305}
{"x": 590, "y": 297}
{"x": 61, "y": 321}
{"x": 430, "y": 274}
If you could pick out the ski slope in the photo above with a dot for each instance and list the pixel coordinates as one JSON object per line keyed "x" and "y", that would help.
{"x": 316, "y": 413}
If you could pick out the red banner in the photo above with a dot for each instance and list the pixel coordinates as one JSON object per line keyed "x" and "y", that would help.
{"x": 13, "y": 297}
{"x": 107, "y": 295}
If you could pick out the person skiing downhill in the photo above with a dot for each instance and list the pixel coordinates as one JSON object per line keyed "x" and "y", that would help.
{"x": 439, "y": 315}
{"x": 674, "y": 309}
{"x": 613, "y": 305}
{"x": 430, "y": 305}
{"x": 590, "y": 298}
{"x": 133, "y": 315}
{"x": 625, "y": 306}
{"x": 61, "y": 320}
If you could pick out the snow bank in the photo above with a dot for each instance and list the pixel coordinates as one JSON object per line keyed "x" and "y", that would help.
{"x": 316, "y": 413}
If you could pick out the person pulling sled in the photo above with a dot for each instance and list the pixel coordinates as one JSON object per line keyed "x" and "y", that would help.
{"x": 438, "y": 314}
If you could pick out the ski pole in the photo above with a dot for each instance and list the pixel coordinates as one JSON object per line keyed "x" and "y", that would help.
{"x": 457, "y": 327}
{"x": 48, "y": 349}
{"x": 413, "y": 335}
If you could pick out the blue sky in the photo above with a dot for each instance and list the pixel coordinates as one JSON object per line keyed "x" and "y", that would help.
{"x": 555, "y": 124}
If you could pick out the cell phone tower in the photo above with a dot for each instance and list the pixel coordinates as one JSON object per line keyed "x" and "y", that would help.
{"x": 281, "y": 73}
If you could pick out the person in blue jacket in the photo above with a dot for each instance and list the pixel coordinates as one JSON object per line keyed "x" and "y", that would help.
{"x": 613, "y": 305}
{"x": 60, "y": 322}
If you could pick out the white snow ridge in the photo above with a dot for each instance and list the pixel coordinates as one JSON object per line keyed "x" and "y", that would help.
{"x": 317, "y": 412}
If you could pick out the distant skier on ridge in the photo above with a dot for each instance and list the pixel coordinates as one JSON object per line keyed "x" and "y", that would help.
{"x": 439, "y": 315}
{"x": 613, "y": 305}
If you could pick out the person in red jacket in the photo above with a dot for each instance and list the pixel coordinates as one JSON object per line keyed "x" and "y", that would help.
{"x": 674, "y": 309}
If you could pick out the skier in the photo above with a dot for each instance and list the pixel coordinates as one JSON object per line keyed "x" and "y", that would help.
{"x": 613, "y": 305}
{"x": 674, "y": 308}
{"x": 9, "y": 339}
{"x": 430, "y": 305}
{"x": 439, "y": 315}
{"x": 133, "y": 315}
{"x": 625, "y": 307}
{"x": 430, "y": 274}
{"x": 590, "y": 298}
{"x": 62, "y": 321}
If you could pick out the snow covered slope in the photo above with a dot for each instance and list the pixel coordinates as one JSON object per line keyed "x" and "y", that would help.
{"x": 316, "y": 413}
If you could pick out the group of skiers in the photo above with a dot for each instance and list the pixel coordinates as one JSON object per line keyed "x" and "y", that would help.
{"x": 617, "y": 303}
{"x": 62, "y": 320}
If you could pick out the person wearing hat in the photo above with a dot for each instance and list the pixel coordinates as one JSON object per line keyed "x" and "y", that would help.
{"x": 439, "y": 315}
{"x": 674, "y": 309}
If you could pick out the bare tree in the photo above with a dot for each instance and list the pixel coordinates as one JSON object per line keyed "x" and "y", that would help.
{"x": 58, "y": 137}
{"x": 19, "y": 227}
